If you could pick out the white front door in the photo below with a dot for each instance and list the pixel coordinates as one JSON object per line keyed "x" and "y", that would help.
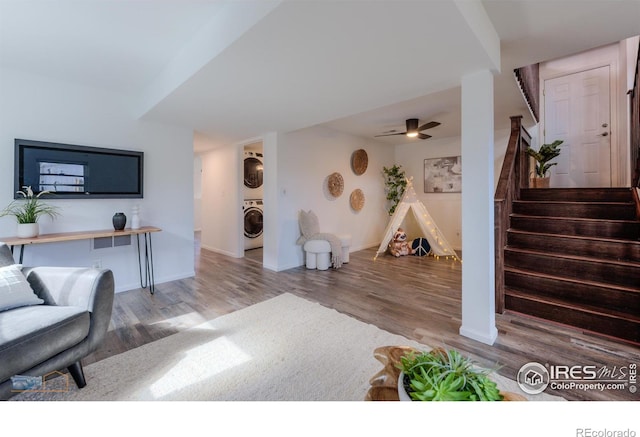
{"x": 577, "y": 111}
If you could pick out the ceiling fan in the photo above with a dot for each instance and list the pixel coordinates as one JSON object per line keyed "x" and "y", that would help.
{"x": 413, "y": 130}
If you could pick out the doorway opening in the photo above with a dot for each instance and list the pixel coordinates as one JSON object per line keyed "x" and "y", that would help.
{"x": 253, "y": 202}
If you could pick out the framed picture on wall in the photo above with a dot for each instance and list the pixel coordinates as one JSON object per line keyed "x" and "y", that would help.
{"x": 443, "y": 175}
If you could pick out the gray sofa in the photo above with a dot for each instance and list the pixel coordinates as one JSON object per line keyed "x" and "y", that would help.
{"x": 68, "y": 326}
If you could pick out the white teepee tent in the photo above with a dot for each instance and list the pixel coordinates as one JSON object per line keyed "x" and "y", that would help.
{"x": 439, "y": 245}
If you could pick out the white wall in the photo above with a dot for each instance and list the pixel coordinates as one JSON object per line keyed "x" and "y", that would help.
{"x": 33, "y": 107}
{"x": 271, "y": 208}
{"x": 305, "y": 160}
{"x": 445, "y": 208}
{"x": 222, "y": 201}
{"x": 630, "y": 48}
{"x": 197, "y": 193}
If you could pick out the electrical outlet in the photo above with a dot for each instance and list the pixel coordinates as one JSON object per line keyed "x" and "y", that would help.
{"x": 96, "y": 264}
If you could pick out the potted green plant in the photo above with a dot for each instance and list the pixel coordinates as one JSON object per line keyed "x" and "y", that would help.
{"x": 543, "y": 156}
{"x": 441, "y": 375}
{"x": 28, "y": 210}
{"x": 395, "y": 182}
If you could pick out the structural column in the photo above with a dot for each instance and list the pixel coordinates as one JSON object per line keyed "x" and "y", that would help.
{"x": 478, "y": 267}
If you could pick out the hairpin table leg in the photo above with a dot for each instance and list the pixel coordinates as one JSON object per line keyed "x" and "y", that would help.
{"x": 149, "y": 279}
{"x": 149, "y": 262}
{"x": 21, "y": 253}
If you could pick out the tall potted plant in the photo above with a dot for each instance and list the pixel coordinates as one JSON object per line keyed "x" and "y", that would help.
{"x": 395, "y": 182}
{"x": 27, "y": 211}
{"x": 543, "y": 156}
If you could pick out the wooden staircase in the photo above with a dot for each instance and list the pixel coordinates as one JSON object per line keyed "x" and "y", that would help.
{"x": 573, "y": 256}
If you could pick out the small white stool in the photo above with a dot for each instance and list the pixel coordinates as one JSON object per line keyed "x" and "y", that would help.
{"x": 345, "y": 242}
{"x": 318, "y": 253}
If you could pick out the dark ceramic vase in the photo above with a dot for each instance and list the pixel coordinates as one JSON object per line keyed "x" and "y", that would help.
{"x": 119, "y": 220}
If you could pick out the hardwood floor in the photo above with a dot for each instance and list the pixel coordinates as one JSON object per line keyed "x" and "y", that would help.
{"x": 416, "y": 297}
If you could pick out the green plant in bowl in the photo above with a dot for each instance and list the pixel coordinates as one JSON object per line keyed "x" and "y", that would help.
{"x": 441, "y": 375}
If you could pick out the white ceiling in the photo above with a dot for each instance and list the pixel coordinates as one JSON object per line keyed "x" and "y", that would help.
{"x": 117, "y": 45}
{"x": 233, "y": 70}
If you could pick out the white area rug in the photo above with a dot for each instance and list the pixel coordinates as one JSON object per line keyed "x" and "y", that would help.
{"x": 286, "y": 348}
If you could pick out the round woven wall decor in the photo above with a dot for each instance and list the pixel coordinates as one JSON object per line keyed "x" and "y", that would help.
{"x": 335, "y": 183}
{"x": 359, "y": 161}
{"x": 357, "y": 199}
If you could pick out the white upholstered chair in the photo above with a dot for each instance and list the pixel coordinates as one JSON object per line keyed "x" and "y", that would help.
{"x": 322, "y": 250}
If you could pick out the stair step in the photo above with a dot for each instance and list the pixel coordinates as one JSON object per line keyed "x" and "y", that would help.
{"x": 579, "y": 292}
{"x": 573, "y": 257}
{"x": 625, "y": 273}
{"x": 610, "y": 248}
{"x": 611, "y": 323}
{"x": 593, "y": 210}
{"x": 623, "y": 229}
{"x": 578, "y": 194}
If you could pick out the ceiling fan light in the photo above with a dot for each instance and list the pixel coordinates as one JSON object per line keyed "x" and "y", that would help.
{"x": 412, "y": 127}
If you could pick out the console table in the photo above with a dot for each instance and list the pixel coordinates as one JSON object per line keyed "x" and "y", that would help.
{"x": 147, "y": 282}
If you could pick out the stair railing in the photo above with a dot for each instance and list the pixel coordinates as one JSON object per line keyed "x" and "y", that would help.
{"x": 513, "y": 177}
{"x": 634, "y": 126}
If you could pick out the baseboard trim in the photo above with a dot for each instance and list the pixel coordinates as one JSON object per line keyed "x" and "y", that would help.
{"x": 484, "y": 337}
{"x": 222, "y": 252}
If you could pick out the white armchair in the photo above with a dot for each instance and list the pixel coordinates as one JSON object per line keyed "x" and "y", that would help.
{"x": 322, "y": 250}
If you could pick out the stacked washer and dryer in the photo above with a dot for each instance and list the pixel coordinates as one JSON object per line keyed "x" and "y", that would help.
{"x": 253, "y": 191}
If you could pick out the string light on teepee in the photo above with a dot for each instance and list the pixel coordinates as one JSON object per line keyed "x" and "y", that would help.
{"x": 439, "y": 245}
